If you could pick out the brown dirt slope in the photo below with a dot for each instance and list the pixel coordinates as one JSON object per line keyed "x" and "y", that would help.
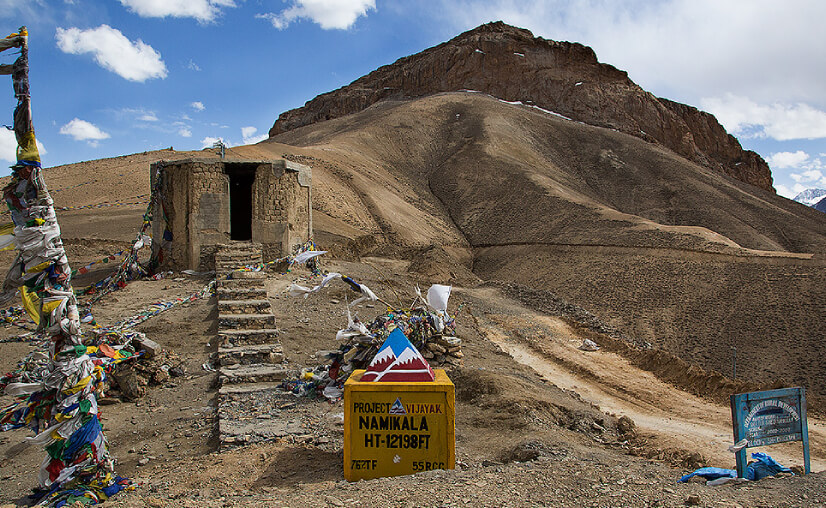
{"x": 489, "y": 173}
{"x": 667, "y": 251}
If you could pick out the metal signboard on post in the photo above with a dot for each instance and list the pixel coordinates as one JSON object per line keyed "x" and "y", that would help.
{"x": 769, "y": 417}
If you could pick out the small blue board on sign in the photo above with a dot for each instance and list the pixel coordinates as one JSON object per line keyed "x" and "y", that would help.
{"x": 769, "y": 417}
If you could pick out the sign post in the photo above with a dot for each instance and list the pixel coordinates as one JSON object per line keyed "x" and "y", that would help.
{"x": 769, "y": 417}
{"x": 397, "y": 428}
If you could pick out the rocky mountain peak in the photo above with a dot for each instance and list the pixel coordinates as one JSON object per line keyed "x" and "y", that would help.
{"x": 565, "y": 77}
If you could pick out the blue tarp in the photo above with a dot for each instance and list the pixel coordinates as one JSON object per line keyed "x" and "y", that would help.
{"x": 763, "y": 467}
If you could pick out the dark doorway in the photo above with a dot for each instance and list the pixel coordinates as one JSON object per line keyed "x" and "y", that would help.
{"x": 241, "y": 178}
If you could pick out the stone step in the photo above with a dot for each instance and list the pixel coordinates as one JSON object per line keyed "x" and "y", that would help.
{"x": 244, "y": 307}
{"x": 224, "y": 247}
{"x": 230, "y": 254}
{"x": 242, "y": 337}
{"x": 254, "y": 413}
{"x": 243, "y": 274}
{"x": 236, "y": 393}
{"x": 245, "y": 355}
{"x": 240, "y": 283}
{"x": 245, "y": 321}
{"x": 254, "y": 293}
{"x": 237, "y": 253}
{"x": 255, "y": 373}
{"x": 237, "y": 260}
{"x": 239, "y": 247}
{"x": 228, "y": 269}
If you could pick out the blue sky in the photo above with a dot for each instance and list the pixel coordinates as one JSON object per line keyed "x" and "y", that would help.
{"x": 112, "y": 77}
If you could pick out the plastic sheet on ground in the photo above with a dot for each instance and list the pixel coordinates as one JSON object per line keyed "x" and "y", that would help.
{"x": 762, "y": 467}
{"x": 589, "y": 345}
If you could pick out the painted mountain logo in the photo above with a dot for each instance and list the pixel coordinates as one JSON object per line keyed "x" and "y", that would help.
{"x": 397, "y": 408}
{"x": 398, "y": 360}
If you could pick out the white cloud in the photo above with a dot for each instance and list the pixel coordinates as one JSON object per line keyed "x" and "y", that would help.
{"x": 812, "y": 175}
{"x": 185, "y": 132}
{"x": 197, "y": 106}
{"x": 682, "y": 49}
{"x": 20, "y": 8}
{"x": 810, "y": 171}
{"x": 208, "y": 141}
{"x": 133, "y": 61}
{"x": 193, "y": 66}
{"x": 794, "y": 190}
{"x": 786, "y": 160}
{"x": 202, "y": 10}
{"x": 81, "y": 130}
{"x": 248, "y": 133}
{"x": 329, "y": 14}
{"x": 136, "y": 114}
{"x": 744, "y": 117}
{"x": 784, "y": 191}
{"x": 8, "y": 146}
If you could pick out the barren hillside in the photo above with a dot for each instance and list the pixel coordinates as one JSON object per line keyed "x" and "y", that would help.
{"x": 668, "y": 252}
{"x": 632, "y": 220}
{"x": 510, "y": 63}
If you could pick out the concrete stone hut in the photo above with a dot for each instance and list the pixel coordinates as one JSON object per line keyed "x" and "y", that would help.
{"x": 208, "y": 203}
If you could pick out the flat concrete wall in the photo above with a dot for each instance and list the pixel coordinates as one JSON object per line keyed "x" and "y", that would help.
{"x": 195, "y": 195}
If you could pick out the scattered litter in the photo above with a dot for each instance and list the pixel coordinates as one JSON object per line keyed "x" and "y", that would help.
{"x": 739, "y": 445}
{"x": 589, "y": 345}
{"x": 333, "y": 393}
{"x": 762, "y": 467}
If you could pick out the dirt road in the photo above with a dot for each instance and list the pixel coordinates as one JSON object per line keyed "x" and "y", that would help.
{"x": 669, "y": 417}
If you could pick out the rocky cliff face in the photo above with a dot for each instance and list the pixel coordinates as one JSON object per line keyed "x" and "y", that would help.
{"x": 513, "y": 65}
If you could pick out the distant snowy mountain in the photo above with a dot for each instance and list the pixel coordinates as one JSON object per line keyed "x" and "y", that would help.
{"x": 810, "y": 197}
{"x": 820, "y": 205}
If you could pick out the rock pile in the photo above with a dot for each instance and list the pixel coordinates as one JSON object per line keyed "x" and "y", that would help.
{"x": 444, "y": 350}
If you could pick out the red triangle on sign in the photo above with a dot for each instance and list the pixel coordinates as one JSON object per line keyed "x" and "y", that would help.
{"x": 398, "y": 361}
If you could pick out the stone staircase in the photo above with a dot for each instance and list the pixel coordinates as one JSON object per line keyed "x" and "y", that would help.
{"x": 249, "y": 356}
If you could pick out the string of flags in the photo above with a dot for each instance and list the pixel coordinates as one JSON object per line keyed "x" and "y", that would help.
{"x": 426, "y": 325}
{"x": 305, "y": 254}
{"x": 62, "y": 407}
{"x": 107, "y": 259}
{"x": 107, "y": 204}
{"x": 156, "y": 308}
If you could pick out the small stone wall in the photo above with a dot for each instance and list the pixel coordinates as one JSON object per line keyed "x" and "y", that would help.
{"x": 195, "y": 194}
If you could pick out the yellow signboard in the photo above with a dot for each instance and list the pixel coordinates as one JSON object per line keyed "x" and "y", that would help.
{"x": 393, "y": 429}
